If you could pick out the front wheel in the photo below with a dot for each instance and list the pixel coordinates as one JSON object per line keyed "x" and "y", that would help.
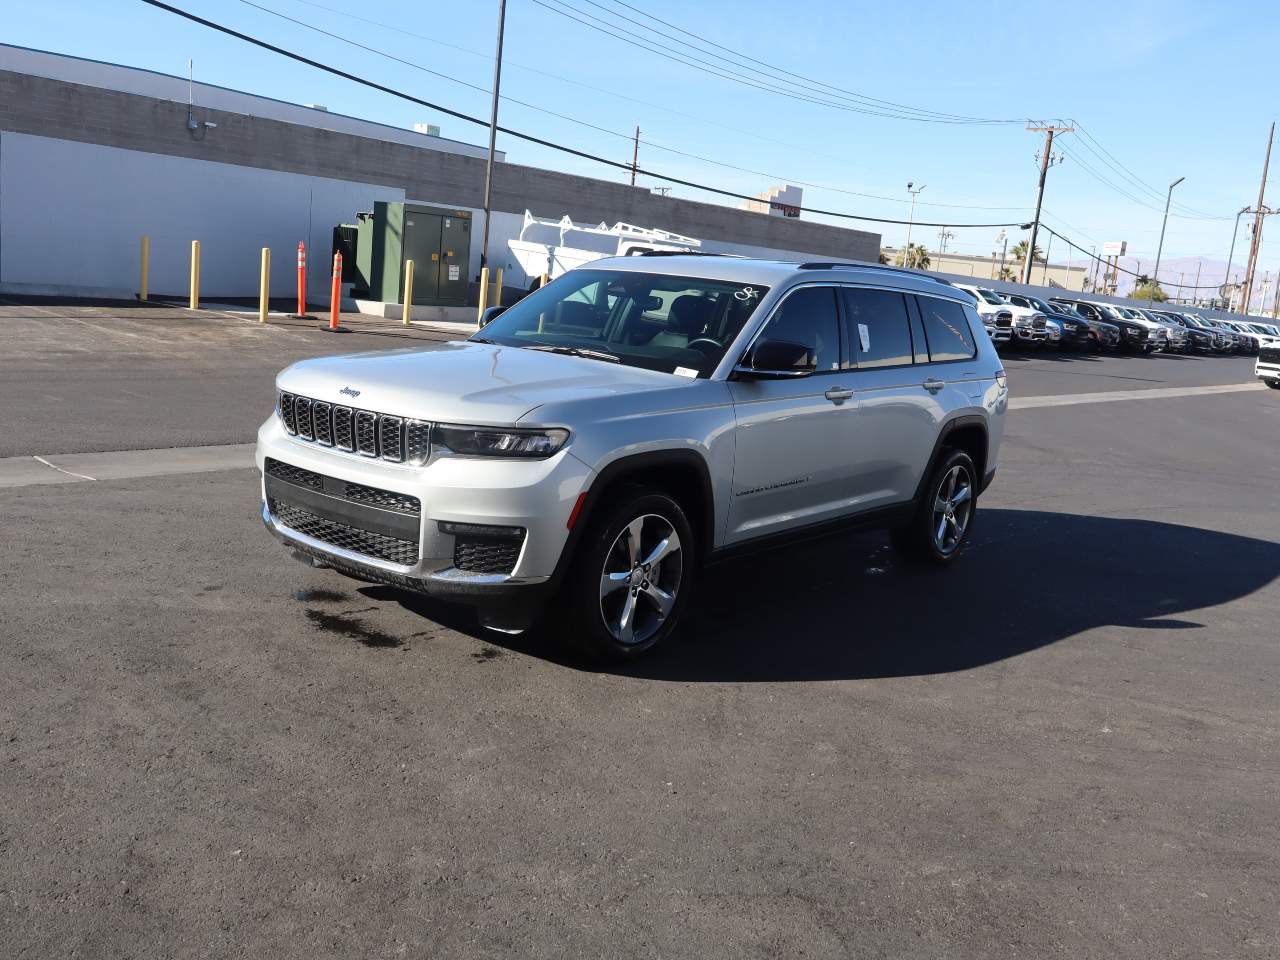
{"x": 1274, "y": 384}
{"x": 945, "y": 516}
{"x": 632, "y": 577}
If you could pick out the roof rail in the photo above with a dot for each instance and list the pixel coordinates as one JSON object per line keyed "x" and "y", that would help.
{"x": 676, "y": 253}
{"x": 835, "y": 265}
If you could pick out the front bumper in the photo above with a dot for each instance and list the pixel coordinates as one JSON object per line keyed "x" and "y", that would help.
{"x": 1267, "y": 370}
{"x": 536, "y": 496}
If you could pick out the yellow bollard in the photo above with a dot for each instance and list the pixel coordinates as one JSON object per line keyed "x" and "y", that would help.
{"x": 194, "y": 303}
{"x": 144, "y": 267}
{"x": 484, "y": 294}
{"x": 264, "y": 286}
{"x": 543, "y": 281}
{"x": 497, "y": 289}
{"x": 408, "y": 290}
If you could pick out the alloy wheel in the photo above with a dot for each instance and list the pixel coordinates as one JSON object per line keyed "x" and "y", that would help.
{"x": 641, "y": 578}
{"x": 952, "y": 509}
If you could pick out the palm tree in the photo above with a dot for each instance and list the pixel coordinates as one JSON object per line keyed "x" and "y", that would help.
{"x": 1006, "y": 273}
{"x": 915, "y": 256}
{"x": 1019, "y": 251}
{"x": 884, "y": 258}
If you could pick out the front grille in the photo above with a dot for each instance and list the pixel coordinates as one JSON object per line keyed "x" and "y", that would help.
{"x": 365, "y": 432}
{"x": 486, "y": 554}
{"x": 1004, "y": 321}
{"x": 1038, "y": 323}
{"x": 404, "y": 552}
{"x": 1269, "y": 355}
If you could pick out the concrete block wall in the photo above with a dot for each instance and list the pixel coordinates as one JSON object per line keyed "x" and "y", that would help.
{"x": 55, "y": 109}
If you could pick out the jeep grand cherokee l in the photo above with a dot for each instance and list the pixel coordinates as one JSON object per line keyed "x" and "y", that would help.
{"x": 588, "y": 449}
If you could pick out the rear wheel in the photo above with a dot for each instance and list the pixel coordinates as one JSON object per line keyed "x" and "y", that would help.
{"x": 945, "y": 516}
{"x": 632, "y": 577}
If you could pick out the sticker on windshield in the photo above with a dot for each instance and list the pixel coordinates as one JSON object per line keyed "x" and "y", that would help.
{"x": 747, "y": 293}
{"x": 686, "y": 372}
{"x": 864, "y": 337}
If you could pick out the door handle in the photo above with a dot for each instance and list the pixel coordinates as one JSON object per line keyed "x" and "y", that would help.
{"x": 838, "y": 395}
{"x": 933, "y": 385}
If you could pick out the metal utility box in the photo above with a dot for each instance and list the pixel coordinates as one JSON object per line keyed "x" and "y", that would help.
{"x": 436, "y": 239}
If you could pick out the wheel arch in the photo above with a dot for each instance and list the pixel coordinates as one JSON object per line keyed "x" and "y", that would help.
{"x": 683, "y": 475}
{"x": 967, "y": 432}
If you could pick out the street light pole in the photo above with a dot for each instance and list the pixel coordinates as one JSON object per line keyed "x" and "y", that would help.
{"x": 1227, "y": 281}
{"x": 493, "y": 138}
{"x": 1155, "y": 274}
{"x": 906, "y": 251}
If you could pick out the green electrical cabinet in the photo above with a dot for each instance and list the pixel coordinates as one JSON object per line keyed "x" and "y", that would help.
{"x": 436, "y": 239}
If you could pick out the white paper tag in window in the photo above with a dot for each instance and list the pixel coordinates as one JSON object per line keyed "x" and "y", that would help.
{"x": 686, "y": 372}
{"x": 864, "y": 337}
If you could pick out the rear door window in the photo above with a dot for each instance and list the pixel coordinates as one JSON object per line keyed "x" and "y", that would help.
{"x": 947, "y": 329}
{"x": 877, "y": 327}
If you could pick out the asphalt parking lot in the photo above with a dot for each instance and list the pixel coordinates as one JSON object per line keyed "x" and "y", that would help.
{"x": 1065, "y": 746}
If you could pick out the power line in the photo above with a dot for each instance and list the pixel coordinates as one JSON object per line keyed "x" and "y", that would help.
{"x": 1116, "y": 266}
{"x": 1103, "y": 153}
{"x": 585, "y": 123}
{"x": 723, "y": 72}
{"x": 530, "y": 138}
{"x": 805, "y": 82}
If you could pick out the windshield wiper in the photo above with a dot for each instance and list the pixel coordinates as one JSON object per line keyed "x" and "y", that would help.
{"x": 482, "y": 340}
{"x": 575, "y": 352}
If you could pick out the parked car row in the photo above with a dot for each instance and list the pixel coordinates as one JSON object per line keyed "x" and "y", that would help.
{"x": 1070, "y": 322}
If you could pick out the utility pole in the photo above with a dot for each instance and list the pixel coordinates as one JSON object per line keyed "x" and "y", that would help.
{"x": 1044, "y": 171}
{"x": 1195, "y": 291}
{"x": 493, "y": 138}
{"x": 1004, "y": 246}
{"x": 906, "y": 251}
{"x": 635, "y": 157}
{"x": 1256, "y": 242}
{"x": 1048, "y": 248}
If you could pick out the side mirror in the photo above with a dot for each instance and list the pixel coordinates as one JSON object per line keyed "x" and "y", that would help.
{"x": 778, "y": 360}
{"x": 490, "y": 315}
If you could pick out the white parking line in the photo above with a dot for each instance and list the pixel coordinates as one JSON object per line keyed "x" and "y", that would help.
{"x": 1111, "y": 396}
{"x": 123, "y": 464}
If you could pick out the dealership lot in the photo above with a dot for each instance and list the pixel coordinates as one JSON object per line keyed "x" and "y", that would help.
{"x": 1064, "y": 746}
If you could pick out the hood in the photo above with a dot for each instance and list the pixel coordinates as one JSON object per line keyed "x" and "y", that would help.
{"x": 465, "y": 382}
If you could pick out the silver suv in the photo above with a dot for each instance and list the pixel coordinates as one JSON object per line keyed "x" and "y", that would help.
{"x": 593, "y": 445}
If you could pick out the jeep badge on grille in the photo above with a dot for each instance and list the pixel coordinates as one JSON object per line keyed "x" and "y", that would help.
{"x": 349, "y": 392}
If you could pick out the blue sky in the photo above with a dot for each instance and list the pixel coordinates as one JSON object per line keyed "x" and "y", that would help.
{"x": 1167, "y": 89}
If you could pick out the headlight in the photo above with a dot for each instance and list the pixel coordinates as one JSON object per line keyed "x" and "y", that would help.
{"x": 496, "y": 442}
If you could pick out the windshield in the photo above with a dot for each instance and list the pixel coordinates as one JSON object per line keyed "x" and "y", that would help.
{"x": 990, "y": 297}
{"x": 1039, "y": 305}
{"x": 650, "y": 320}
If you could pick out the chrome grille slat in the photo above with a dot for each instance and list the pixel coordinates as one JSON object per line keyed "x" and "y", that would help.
{"x": 365, "y": 432}
{"x": 302, "y": 413}
{"x": 389, "y": 437}
{"x": 323, "y": 425}
{"x": 286, "y": 412}
{"x": 344, "y": 433}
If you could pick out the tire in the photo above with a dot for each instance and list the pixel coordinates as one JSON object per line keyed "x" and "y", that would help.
{"x": 919, "y": 540}
{"x": 1274, "y": 384}
{"x": 608, "y": 575}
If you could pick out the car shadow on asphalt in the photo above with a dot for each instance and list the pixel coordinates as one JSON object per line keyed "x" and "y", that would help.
{"x": 847, "y": 608}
